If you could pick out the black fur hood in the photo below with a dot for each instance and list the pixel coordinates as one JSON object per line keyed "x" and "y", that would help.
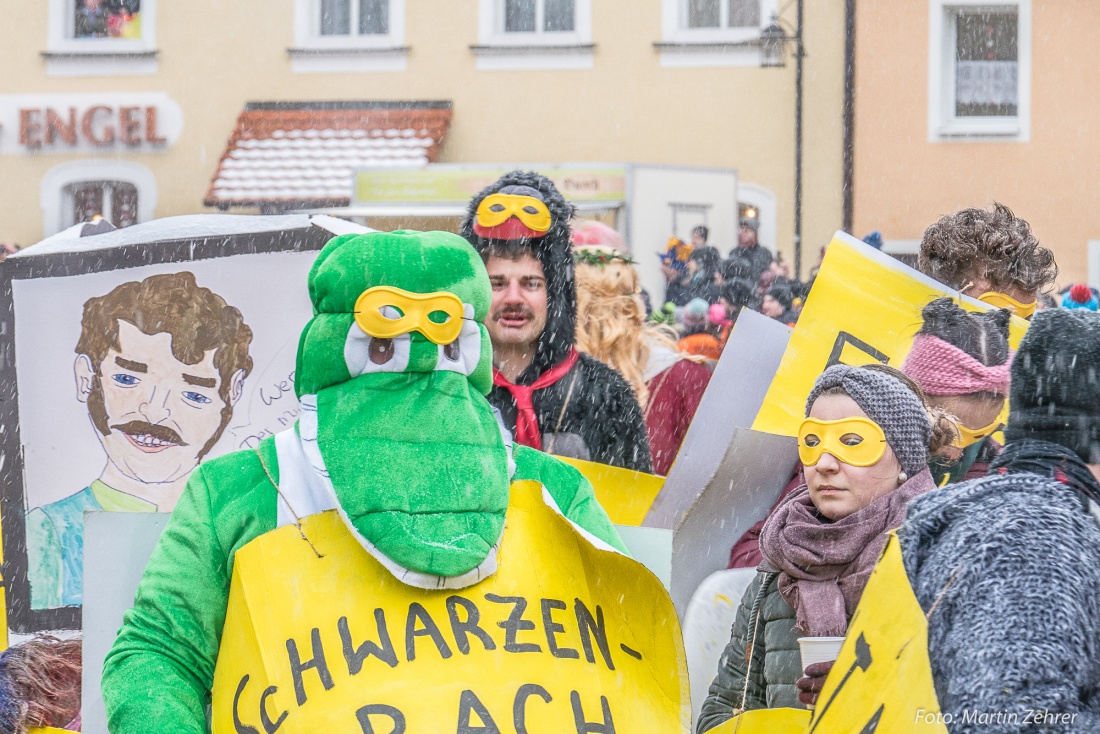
{"x": 554, "y": 251}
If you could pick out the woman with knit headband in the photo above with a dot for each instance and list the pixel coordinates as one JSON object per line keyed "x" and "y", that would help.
{"x": 865, "y": 445}
{"x": 962, "y": 362}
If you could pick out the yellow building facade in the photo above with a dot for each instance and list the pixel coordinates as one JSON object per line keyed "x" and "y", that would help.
{"x": 127, "y": 105}
{"x": 962, "y": 103}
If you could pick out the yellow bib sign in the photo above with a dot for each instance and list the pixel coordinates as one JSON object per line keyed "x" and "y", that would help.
{"x": 625, "y": 495}
{"x": 865, "y": 307}
{"x": 882, "y": 680}
{"x": 564, "y": 637}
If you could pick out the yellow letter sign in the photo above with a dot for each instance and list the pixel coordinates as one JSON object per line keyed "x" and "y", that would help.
{"x": 865, "y": 307}
{"x": 564, "y": 637}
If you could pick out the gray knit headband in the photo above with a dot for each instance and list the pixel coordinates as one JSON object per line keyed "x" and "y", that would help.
{"x": 890, "y": 404}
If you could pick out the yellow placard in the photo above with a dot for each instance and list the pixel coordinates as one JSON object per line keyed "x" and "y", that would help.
{"x": 766, "y": 721}
{"x": 865, "y": 307}
{"x": 564, "y": 637}
{"x": 882, "y": 680}
{"x": 624, "y": 494}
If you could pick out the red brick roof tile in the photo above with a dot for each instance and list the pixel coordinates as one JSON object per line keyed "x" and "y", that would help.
{"x": 303, "y": 154}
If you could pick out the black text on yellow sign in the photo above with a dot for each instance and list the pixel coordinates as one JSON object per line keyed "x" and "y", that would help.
{"x": 564, "y": 637}
{"x": 546, "y": 627}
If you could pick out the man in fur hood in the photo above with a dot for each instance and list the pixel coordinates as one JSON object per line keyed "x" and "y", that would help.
{"x": 552, "y": 397}
{"x": 1007, "y": 567}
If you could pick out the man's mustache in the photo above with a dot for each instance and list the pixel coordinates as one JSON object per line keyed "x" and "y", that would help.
{"x": 514, "y": 311}
{"x": 139, "y": 428}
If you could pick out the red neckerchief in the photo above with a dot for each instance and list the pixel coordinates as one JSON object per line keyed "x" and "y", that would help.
{"x": 527, "y": 425}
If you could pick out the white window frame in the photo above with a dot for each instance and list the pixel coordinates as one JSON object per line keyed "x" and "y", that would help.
{"x": 68, "y": 56}
{"x": 1093, "y": 265}
{"x": 491, "y": 27}
{"x": 943, "y": 125}
{"x": 675, "y": 29}
{"x": 501, "y": 51}
{"x": 315, "y": 53}
{"x": 307, "y": 28}
{"x": 57, "y": 203}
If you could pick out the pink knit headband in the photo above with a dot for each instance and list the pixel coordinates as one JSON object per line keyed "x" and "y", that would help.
{"x": 944, "y": 369}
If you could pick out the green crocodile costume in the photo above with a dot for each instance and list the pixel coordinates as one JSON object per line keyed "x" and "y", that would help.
{"x": 395, "y": 433}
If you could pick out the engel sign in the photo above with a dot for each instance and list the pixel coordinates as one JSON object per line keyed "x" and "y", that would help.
{"x": 66, "y": 123}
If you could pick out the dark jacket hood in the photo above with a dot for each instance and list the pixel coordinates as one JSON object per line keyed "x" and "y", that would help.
{"x": 554, "y": 251}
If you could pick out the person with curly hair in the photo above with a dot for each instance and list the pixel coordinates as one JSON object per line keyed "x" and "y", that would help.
{"x": 611, "y": 326}
{"x": 989, "y": 255}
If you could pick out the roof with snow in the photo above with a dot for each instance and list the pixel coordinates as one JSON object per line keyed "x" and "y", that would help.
{"x": 304, "y": 154}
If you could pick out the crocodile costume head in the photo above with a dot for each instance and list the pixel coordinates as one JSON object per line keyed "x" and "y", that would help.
{"x": 392, "y": 373}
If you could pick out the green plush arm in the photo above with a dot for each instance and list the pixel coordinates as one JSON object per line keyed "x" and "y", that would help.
{"x": 570, "y": 490}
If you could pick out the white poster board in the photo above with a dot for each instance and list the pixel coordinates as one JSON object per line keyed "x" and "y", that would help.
{"x": 127, "y": 358}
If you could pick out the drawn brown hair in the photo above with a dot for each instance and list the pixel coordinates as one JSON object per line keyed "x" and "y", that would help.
{"x": 198, "y": 320}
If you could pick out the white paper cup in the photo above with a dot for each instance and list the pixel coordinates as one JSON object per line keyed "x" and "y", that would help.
{"x": 819, "y": 649}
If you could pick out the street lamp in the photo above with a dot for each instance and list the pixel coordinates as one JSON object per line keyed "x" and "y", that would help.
{"x": 772, "y": 46}
{"x": 773, "y": 54}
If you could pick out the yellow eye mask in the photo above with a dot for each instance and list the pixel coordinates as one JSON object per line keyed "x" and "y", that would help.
{"x": 385, "y": 312}
{"x": 496, "y": 209}
{"x": 1003, "y": 300}
{"x": 853, "y": 441}
{"x": 970, "y": 436}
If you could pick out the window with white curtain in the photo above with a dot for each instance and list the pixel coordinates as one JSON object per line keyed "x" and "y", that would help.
{"x": 979, "y": 69}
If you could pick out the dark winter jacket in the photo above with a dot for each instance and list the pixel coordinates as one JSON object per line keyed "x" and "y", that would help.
{"x": 602, "y": 421}
{"x": 776, "y": 662}
{"x": 1012, "y": 564}
{"x": 754, "y": 260}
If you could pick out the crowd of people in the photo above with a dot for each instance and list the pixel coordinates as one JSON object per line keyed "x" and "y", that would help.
{"x": 998, "y": 523}
{"x": 992, "y": 534}
{"x": 705, "y": 292}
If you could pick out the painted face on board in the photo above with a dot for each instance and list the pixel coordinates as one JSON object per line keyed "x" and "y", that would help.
{"x": 161, "y": 413}
{"x": 838, "y": 489}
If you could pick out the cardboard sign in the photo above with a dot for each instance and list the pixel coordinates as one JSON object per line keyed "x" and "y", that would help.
{"x": 865, "y": 307}
{"x": 564, "y": 637}
{"x": 882, "y": 679}
{"x": 117, "y": 546}
{"x": 79, "y": 378}
{"x": 732, "y": 400}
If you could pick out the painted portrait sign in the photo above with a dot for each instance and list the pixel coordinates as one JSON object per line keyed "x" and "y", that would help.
{"x": 127, "y": 360}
